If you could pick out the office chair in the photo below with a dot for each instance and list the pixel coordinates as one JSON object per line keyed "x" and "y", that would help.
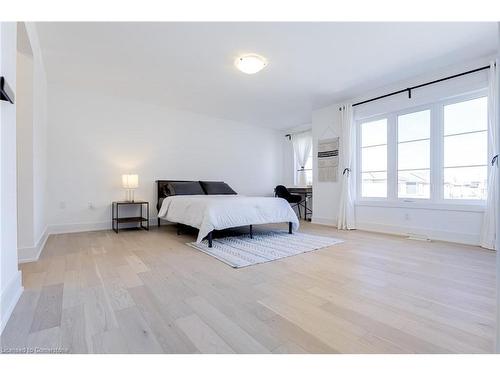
{"x": 295, "y": 200}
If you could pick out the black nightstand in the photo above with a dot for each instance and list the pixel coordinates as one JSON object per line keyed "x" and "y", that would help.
{"x": 117, "y": 220}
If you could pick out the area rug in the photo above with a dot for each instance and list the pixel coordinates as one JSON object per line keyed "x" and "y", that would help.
{"x": 243, "y": 251}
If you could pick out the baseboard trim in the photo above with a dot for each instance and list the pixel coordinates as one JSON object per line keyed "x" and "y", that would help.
{"x": 87, "y": 227}
{"x": 78, "y": 227}
{"x": 8, "y": 299}
{"x": 31, "y": 254}
{"x": 438, "y": 235}
{"x": 324, "y": 221}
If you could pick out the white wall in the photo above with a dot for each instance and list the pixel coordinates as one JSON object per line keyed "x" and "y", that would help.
{"x": 94, "y": 138}
{"x": 10, "y": 276}
{"x": 460, "y": 225}
{"x": 325, "y": 124}
{"x": 31, "y": 144}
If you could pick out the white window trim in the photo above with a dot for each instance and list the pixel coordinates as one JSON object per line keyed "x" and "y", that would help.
{"x": 436, "y": 200}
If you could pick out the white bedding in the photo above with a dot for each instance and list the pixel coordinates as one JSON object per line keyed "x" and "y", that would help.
{"x": 209, "y": 212}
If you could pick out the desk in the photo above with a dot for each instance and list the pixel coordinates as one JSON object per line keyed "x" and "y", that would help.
{"x": 306, "y": 191}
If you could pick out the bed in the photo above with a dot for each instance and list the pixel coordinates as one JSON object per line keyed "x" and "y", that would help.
{"x": 216, "y": 207}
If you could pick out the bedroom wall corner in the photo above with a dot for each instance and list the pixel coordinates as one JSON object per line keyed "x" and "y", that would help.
{"x": 10, "y": 276}
{"x": 31, "y": 142}
{"x": 325, "y": 124}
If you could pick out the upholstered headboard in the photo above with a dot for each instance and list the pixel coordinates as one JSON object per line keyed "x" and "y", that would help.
{"x": 162, "y": 190}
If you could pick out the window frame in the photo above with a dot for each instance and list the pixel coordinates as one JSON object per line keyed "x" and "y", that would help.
{"x": 359, "y": 173}
{"x": 296, "y": 168}
{"x": 455, "y": 100}
{"x": 436, "y": 198}
{"x": 396, "y": 114}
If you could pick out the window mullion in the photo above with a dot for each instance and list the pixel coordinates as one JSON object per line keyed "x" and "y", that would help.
{"x": 437, "y": 155}
{"x": 392, "y": 158}
{"x": 358, "y": 160}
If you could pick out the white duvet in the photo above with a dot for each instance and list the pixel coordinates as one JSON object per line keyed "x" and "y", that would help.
{"x": 209, "y": 212}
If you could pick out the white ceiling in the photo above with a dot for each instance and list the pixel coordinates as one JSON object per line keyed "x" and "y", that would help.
{"x": 189, "y": 66}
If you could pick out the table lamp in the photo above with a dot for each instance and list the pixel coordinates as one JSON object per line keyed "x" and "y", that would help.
{"x": 130, "y": 182}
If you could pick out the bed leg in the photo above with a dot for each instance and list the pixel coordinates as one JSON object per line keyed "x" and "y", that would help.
{"x": 251, "y": 231}
{"x": 210, "y": 239}
{"x": 289, "y": 227}
{"x": 178, "y": 229}
{"x": 159, "y": 222}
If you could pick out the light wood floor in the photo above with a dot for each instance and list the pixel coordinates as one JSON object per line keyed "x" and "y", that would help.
{"x": 138, "y": 291}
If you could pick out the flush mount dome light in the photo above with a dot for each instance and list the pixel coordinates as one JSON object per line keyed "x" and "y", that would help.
{"x": 250, "y": 64}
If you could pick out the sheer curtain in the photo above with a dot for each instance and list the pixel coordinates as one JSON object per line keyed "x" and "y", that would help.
{"x": 488, "y": 228}
{"x": 347, "y": 149}
{"x": 302, "y": 145}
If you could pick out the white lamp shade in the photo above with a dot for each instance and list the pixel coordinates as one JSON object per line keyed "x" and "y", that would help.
{"x": 130, "y": 181}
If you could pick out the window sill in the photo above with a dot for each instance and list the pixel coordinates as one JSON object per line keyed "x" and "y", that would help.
{"x": 467, "y": 207}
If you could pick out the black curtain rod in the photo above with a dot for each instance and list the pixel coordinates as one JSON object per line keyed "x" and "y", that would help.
{"x": 409, "y": 89}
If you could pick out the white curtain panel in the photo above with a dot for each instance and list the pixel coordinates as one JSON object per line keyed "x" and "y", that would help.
{"x": 302, "y": 145}
{"x": 346, "y": 218}
{"x": 488, "y": 229}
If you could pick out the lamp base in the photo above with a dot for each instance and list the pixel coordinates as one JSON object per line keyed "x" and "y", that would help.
{"x": 129, "y": 195}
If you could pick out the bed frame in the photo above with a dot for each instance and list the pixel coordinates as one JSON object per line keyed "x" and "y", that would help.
{"x": 163, "y": 192}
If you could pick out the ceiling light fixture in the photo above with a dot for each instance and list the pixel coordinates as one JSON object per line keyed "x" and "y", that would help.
{"x": 250, "y": 64}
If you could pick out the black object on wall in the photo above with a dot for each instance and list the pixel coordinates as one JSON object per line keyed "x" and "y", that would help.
{"x": 5, "y": 91}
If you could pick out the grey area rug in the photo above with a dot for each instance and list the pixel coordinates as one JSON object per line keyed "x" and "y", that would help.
{"x": 243, "y": 251}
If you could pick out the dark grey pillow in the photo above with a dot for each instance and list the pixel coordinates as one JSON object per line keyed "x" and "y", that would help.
{"x": 185, "y": 188}
{"x": 215, "y": 187}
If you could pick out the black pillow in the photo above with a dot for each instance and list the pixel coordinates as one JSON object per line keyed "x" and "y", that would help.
{"x": 185, "y": 188}
{"x": 214, "y": 188}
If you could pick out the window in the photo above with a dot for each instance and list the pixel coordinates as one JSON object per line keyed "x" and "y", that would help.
{"x": 414, "y": 154}
{"x": 308, "y": 168}
{"x": 374, "y": 159}
{"x": 465, "y": 149}
{"x": 434, "y": 153}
